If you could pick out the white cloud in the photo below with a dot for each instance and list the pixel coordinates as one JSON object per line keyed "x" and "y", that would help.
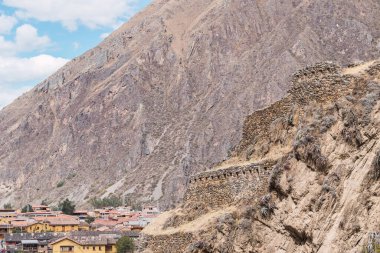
{"x": 76, "y": 45}
{"x": 104, "y": 35}
{"x": 7, "y": 94}
{"x": 71, "y": 13}
{"x": 26, "y": 40}
{"x": 7, "y": 23}
{"x": 15, "y": 71}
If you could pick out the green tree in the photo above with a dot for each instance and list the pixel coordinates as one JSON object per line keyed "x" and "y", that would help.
{"x": 17, "y": 230}
{"x": 67, "y": 207}
{"x": 8, "y": 206}
{"x": 111, "y": 201}
{"x": 125, "y": 245}
{"x": 90, "y": 219}
{"x": 44, "y": 203}
{"x": 27, "y": 208}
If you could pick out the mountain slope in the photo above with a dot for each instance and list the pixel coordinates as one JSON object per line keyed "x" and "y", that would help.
{"x": 306, "y": 177}
{"x": 165, "y": 95}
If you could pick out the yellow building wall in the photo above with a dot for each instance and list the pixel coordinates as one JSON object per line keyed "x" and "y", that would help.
{"x": 84, "y": 228}
{"x": 4, "y": 220}
{"x": 63, "y": 228}
{"x": 81, "y": 249}
{"x": 44, "y": 227}
{"x": 35, "y": 228}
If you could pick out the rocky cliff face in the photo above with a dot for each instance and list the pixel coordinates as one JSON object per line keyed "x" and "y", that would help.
{"x": 305, "y": 177}
{"x": 165, "y": 96}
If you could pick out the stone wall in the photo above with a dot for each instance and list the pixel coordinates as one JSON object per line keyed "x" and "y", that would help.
{"x": 165, "y": 243}
{"x": 217, "y": 188}
{"x": 214, "y": 189}
{"x": 321, "y": 83}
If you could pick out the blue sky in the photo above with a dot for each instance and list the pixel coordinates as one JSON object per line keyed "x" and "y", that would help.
{"x": 39, "y": 36}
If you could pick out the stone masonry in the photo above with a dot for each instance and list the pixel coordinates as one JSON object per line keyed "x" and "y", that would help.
{"x": 222, "y": 187}
{"x": 321, "y": 83}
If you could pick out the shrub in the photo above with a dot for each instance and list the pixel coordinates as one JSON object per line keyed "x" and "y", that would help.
{"x": 249, "y": 152}
{"x": 89, "y": 219}
{"x": 8, "y": 206}
{"x": 352, "y": 136}
{"x": 27, "y": 208}
{"x": 376, "y": 166}
{"x": 265, "y": 199}
{"x": 67, "y": 207}
{"x": 266, "y": 206}
{"x": 111, "y": 201}
{"x": 247, "y": 212}
{"x": 71, "y": 176}
{"x": 199, "y": 247}
{"x": 276, "y": 129}
{"x": 245, "y": 224}
{"x": 326, "y": 123}
{"x": 60, "y": 184}
{"x": 274, "y": 180}
{"x": 349, "y": 118}
{"x": 350, "y": 132}
{"x": 264, "y": 211}
{"x": 326, "y": 187}
{"x": 125, "y": 244}
{"x": 369, "y": 101}
{"x": 328, "y": 184}
{"x": 350, "y": 98}
{"x": 306, "y": 149}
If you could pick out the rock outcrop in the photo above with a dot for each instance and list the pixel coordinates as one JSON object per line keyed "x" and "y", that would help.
{"x": 318, "y": 154}
{"x": 166, "y": 95}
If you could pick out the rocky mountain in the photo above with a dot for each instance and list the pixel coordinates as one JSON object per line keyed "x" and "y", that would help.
{"x": 305, "y": 176}
{"x": 166, "y": 95}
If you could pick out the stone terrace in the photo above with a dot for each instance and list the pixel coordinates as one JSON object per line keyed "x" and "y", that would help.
{"x": 224, "y": 186}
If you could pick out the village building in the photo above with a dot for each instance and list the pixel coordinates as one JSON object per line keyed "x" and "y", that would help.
{"x": 5, "y": 228}
{"x": 84, "y": 226}
{"x": 43, "y": 242}
{"x": 22, "y": 225}
{"x": 86, "y": 242}
{"x": 101, "y": 214}
{"x": 40, "y": 208}
{"x": 150, "y": 210}
{"x": 7, "y": 214}
{"x": 62, "y": 223}
{"x": 84, "y": 245}
{"x": 81, "y": 214}
{"x": 27, "y": 242}
{"x": 30, "y": 246}
{"x": 42, "y": 214}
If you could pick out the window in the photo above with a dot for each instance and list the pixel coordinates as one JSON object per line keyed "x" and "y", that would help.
{"x": 67, "y": 248}
{"x": 100, "y": 247}
{"x": 84, "y": 247}
{"x": 93, "y": 248}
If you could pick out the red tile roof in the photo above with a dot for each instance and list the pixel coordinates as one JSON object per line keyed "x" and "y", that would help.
{"x": 22, "y": 223}
{"x": 108, "y": 223}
